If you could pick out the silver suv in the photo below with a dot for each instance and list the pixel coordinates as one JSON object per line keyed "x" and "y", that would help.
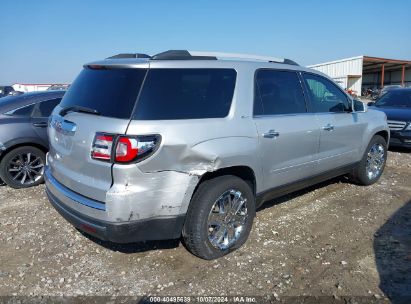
{"x": 190, "y": 144}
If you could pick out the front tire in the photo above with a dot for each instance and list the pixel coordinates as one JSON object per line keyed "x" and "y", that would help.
{"x": 372, "y": 165}
{"x": 23, "y": 167}
{"x": 220, "y": 217}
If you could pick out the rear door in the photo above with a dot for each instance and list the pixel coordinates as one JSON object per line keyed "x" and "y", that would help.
{"x": 40, "y": 116}
{"x": 341, "y": 130}
{"x": 112, "y": 93}
{"x": 15, "y": 125}
{"x": 288, "y": 135}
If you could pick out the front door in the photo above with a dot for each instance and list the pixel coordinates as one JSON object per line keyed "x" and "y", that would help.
{"x": 341, "y": 131}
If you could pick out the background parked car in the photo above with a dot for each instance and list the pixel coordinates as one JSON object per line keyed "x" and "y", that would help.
{"x": 15, "y": 93}
{"x": 388, "y": 88}
{"x": 23, "y": 136}
{"x": 6, "y": 90}
{"x": 396, "y": 104}
{"x": 58, "y": 87}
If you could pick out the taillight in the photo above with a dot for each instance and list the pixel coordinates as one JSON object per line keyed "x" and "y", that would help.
{"x": 102, "y": 147}
{"x": 127, "y": 148}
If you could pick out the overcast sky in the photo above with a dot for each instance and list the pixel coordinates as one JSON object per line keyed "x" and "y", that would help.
{"x": 49, "y": 41}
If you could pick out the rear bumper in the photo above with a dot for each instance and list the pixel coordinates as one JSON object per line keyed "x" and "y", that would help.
{"x": 162, "y": 228}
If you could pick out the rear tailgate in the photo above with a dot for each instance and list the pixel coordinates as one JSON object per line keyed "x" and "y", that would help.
{"x": 112, "y": 92}
{"x": 70, "y": 159}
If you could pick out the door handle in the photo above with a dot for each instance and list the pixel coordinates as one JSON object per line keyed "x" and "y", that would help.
{"x": 328, "y": 127}
{"x": 271, "y": 134}
{"x": 40, "y": 124}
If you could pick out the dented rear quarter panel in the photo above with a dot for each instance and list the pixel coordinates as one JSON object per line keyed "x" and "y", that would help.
{"x": 168, "y": 178}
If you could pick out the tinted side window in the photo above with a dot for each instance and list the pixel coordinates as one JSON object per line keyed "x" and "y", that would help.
{"x": 186, "y": 94}
{"x": 44, "y": 109}
{"x": 324, "y": 95}
{"x": 25, "y": 111}
{"x": 278, "y": 92}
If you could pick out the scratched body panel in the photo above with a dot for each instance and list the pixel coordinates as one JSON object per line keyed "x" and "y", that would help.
{"x": 163, "y": 184}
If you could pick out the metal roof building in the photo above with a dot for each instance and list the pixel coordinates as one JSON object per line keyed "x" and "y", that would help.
{"x": 363, "y": 72}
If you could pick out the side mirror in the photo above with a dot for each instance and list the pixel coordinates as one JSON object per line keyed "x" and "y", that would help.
{"x": 359, "y": 106}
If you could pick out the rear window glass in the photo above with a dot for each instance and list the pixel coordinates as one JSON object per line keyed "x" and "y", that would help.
{"x": 112, "y": 92}
{"x": 186, "y": 94}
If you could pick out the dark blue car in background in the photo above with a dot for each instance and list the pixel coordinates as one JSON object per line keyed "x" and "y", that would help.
{"x": 396, "y": 104}
{"x": 23, "y": 136}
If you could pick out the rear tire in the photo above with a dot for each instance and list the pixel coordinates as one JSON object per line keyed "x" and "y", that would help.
{"x": 23, "y": 161}
{"x": 220, "y": 217}
{"x": 372, "y": 164}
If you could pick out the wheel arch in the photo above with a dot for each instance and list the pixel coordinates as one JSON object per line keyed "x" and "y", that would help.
{"x": 385, "y": 134}
{"x": 377, "y": 130}
{"x": 17, "y": 144}
{"x": 244, "y": 172}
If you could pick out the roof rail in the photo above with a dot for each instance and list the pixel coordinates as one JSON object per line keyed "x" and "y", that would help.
{"x": 180, "y": 55}
{"x": 237, "y": 56}
{"x": 129, "y": 55}
{"x": 243, "y": 56}
{"x": 198, "y": 55}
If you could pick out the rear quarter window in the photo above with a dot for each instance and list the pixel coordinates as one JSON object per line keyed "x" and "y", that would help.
{"x": 186, "y": 94}
{"x": 23, "y": 111}
{"x": 44, "y": 108}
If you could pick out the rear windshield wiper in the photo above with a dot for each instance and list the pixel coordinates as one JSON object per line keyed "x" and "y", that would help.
{"x": 79, "y": 109}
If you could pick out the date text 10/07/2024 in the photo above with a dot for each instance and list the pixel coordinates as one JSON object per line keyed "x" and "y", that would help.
{"x": 203, "y": 299}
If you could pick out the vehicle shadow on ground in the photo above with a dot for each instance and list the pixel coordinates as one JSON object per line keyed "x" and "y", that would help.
{"x": 292, "y": 195}
{"x": 134, "y": 247}
{"x": 399, "y": 149}
{"x": 392, "y": 246}
{"x": 170, "y": 244}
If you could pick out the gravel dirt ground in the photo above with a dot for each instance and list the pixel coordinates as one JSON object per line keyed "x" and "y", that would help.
{"x": 334, "y": 239}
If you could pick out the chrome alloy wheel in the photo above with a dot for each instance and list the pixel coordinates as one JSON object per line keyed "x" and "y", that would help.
{"x": 375, "y": 161}
{"x": 227, "y": 219}
{"x": 26, "y": 168}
